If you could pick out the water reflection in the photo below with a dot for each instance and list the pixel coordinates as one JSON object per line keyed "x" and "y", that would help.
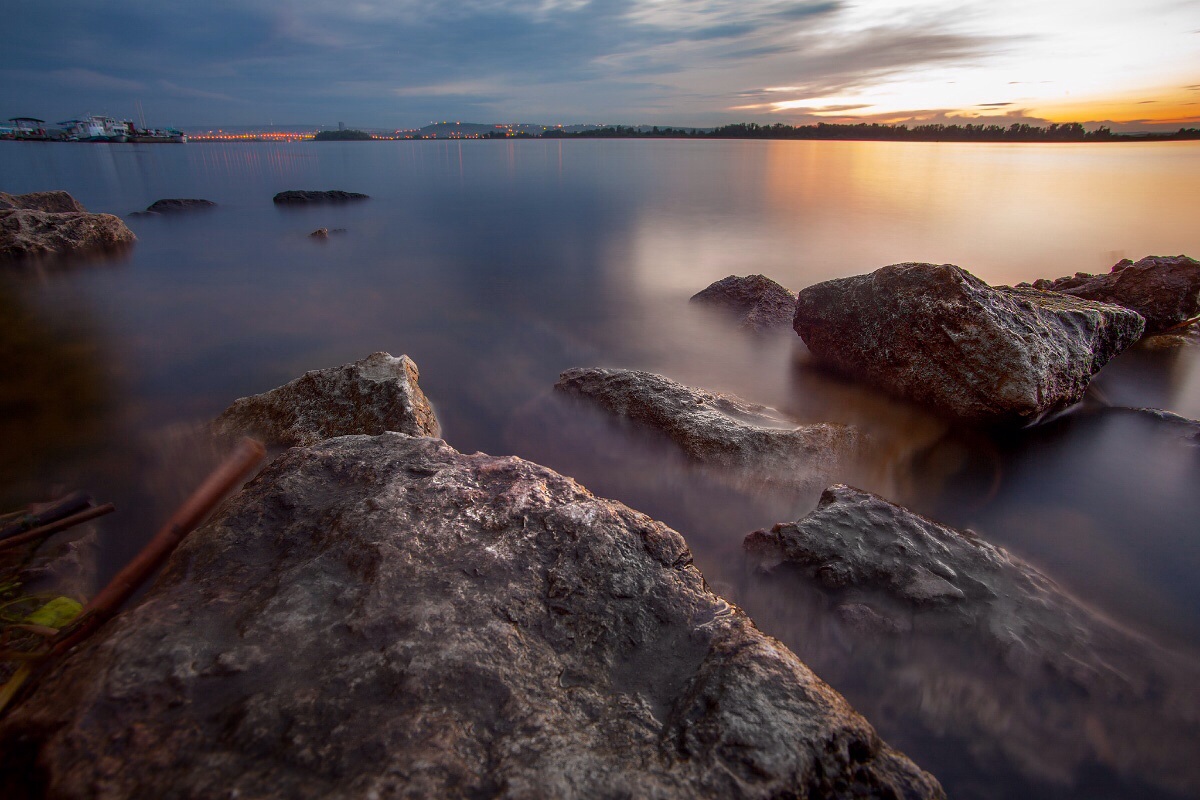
{"x": 55, "y": 396}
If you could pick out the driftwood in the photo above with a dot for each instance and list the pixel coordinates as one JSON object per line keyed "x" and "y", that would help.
{"x": 104, "y": 605}
{"x": 70, "y": 504}
{"x": 55, "y": 527}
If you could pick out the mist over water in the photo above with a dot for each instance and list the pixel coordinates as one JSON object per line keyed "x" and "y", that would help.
{"x": 496, "y": 265}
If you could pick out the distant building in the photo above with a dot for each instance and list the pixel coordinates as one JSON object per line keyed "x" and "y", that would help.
{"x": 341, "y": 126}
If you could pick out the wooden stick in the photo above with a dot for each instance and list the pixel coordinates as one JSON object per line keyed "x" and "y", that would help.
{"x": 105, "y": 604}
{"x": 55, "y": 527}
{"x": 76, "y": 501}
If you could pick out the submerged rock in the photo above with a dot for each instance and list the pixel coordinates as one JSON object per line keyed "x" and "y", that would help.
{"x": 1165, "y": 290}
{"x": 758, "y": 302}
{"x": 300, "y": 196}
{"x": 939, "y": 336}
{"x": 377, "y": 394}
{"x": 386, "y": 617}
{"x": 719, "y": 430}
{"x": 175, "y": 206}
{"x": 25, "y": 233}
{"x": 55, "y": 202}
{"x": 988, "y": 649}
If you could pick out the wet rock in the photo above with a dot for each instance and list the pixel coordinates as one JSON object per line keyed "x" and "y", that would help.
{"x": 377, "y": 394}
{"x": 56, "y": 202}
{"x": 718, "y": 430}
{"x": 25, "y": 233}
{"x": 758, "y": 302}
{"x": 989, "y": 650}
{"x": 300, "y": 197}
{"x": 176, "y": 206}
{"x": 939, "y": 336}
{"x": 320, "y": 233}
{"x": 385, "y": 617}
{"x": 1165, "y": 290}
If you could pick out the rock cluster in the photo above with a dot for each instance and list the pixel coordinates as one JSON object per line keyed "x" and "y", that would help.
{"x": 756, "y": 301}
{"x": 302, "y": 196}
{"x": 1050, "y": 682}
{"x": 718, "y": 430}
{"x": 1165, "y": 290}
{"x": 54, "y": 223}
{"x": 376, "y": 394}
{"x": 939, "y": 336}
{"x": 384, "y": 617}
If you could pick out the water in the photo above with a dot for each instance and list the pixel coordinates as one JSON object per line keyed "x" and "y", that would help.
{"x": 495, "y": 265}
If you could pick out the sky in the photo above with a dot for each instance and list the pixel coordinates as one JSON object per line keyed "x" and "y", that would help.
{"x": 388, "y": 64}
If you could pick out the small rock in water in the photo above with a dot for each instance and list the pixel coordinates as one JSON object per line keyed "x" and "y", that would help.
{"x": 55, "y": 202}
{"x": 1165, "y": 290}
{"x": 175, "y": 206}
{"x": 386, "y": 617}
{"x": 303, "y": 196}
{"x": 55, "y": 224}
{"x": 320, "y": 233}
{"x": 939, "y": 336}
{"x": 377, "y": 394}
{"x": 758, "y": 302}
{"x": 720, "y": 430}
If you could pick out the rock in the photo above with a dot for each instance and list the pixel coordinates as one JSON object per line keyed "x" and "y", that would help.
{"x": 1165, "y": 290}
{"x": 717, "y": 430}
{"x": 175, "y": 206}
{"x": 988, "y": 649}
{"x": 320, "y": 233}
{"x": 758, "y": 302}
{"x": 941, "y": 337}
{"x": 56, "y": 202}
{"x": 25, "y": 233}
{"x": 299, "y": 196}
{"x": 386, "y": 617}
{"x": 379, "y": 393}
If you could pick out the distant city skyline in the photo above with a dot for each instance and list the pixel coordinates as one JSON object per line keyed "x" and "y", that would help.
{"x": 398, "y": 64}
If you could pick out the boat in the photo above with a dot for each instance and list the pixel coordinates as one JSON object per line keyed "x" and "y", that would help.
{"x": 93, "y": 128}
{"x": 157, "y": 136}
{"x": 28, "y": 129}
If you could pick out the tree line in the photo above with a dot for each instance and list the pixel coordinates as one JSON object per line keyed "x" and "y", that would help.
{"x": 934, "y": 132}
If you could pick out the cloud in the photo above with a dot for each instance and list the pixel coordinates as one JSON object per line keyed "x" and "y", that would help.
{"x": 90, "y": 79}
{"x": 399, "y": 62}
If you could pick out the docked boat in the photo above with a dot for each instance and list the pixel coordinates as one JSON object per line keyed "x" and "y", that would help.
{"x": 96, "y": 129}
{"x": 28, "y": 129}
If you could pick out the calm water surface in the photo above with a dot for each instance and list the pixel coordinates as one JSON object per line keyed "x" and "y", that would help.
{"x": 495, "y": 265}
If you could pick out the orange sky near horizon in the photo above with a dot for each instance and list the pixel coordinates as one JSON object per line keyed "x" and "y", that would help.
{"x": 1089, "y": 61}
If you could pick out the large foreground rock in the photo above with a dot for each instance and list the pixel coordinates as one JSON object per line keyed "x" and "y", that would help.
{"x": 385, "y": 617}
{"x": 940, "y": 336}
{"x": 1165, "y": 290}
{"x": 718, "y": 430}
{"x": 756, "y": 301}
{"x": 377, "y": 394}
{"x": 303, "y": 196}
{"x": 987, "y": 649}
{"x": 54, "y": 223}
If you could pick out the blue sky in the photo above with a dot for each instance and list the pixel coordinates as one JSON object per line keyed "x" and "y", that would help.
{"x": 399, "y": 63}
